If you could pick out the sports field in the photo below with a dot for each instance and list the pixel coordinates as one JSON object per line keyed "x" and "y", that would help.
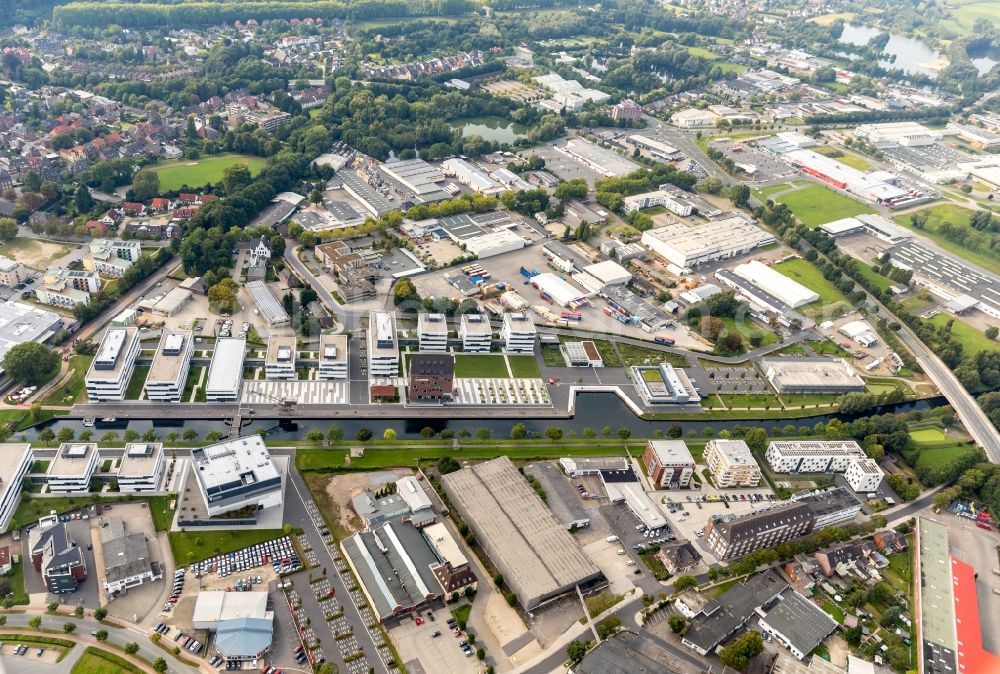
{"x": 928, "y": 435}
{"x": 175, "y": 175}
{"x": 817, "y": 205}
{"x": 805, "y": 273}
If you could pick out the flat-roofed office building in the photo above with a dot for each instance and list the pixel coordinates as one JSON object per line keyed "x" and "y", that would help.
{"x": 518, "y": 333}
{"x": 864, "y": 475}
{"x": 812, "y": 375}
{"x": 236, "y": 474}
{"x": 279, "y": 361}
{"x": 812, "y": 456}
{"x": 113, "y": 365}
{"x": 538, "y": 558}
{"x": 141, "y": 468}
{"x": 476, "y": 333}
{"x": 225, "y": 372}
{"x": 383, "y": 347}
{"x": 332, "y": 357}
{"x": 432, "y": 332}
{"x": 15, "y": 465}
{"x": 171, "y": 363}
{"x": 72, "y": 468}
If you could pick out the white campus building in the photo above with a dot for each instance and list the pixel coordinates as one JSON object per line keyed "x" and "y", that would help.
{"x": 279, "y": 361}
{"x": 432, "y": 332}
{"x": 113, "y": 365}
{"x": 476, "y": 333}
{"x": 169, "y": 370}
{"x": 235, "y": 474}
{"x": 16, "y": 464}
{"x": 332, "y": 357}
{"x": 518, "y": 333}
{"x": 72, "y": 468}
{"x": 140, "y": 469}
{"x": 812, "y": 456}
{"x": 225, "y": 372}
{"x": 383, "y": 347}
{"x": 864, "y": 475}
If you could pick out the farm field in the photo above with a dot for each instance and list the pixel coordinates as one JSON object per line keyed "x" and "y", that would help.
{"x": 197, "y": 173}
{"x": 816, "y": 205}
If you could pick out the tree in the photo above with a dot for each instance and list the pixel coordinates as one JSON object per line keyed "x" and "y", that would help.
{"x": 69, "y": 628}
{"x": 160, "y": 665}
{"x": 992, "y": 332}
{"x": 608, "y": 626}
{"x": 890, "y": 616}
{"x": 756, "y": 439}
{"x": 576, "y": 650}
{"x": 554, "y": 433}
{"x": 189, "y": 435}
{"x": 682, "y": 583}
{"x": 100, "y": 614}
{"x": 482, "y": 433}
{"x": 624, "y": 433}
{"x": 363, "y": 435}
{"x": 740, "y": 194}
{"x": 31, "y": 363}
{"x": 677, "y": 623}
{"x": 742, "y": 650}
{"x": 222, "y": 296}
{"x": 446, "y": 465}
{"x": 35, "y": 622}
{"x": 519, "y": 432}
{"x": 236, "y": 177}
{"x": 131, "y": 648}
{"x": 78, "y": 611}
{"x": 405, "y": 293}
{"x": 8, "y": 229}
{"x": 712, "y": 185}
{"x": 46, "y": 435}
{"x": 390, "y": 434}
{"x": 335, "y": 434}
{"x": 155, "y": 637}
{"x": 145, "y": 185}
{"x": 314, "y": 436}
{"x": 327, "y": 668}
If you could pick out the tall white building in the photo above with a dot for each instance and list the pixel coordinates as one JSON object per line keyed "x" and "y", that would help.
{"x": 476, "y": 333}
{"x": 72, "y": 468}
{"x": 518, "y": 333}
{"x": 171, "y": 363}
{"x": 812, "y": 456}
{"x": 225, "y": 373}
{"x": 141, "y": 468}
{"x": 235, "y": 474}
{"x": 864, "y": 475}
{"x": 11, "y": 272}
{"x": 732, "y": 464}
{"x": 113, "y": 365}
{"x": 432, "y": 332}
{"x": 16, "y": 464}
{"x": 279, "y": 362}
{"x": 332, "y": 357}
{"x": 383, "y": 347}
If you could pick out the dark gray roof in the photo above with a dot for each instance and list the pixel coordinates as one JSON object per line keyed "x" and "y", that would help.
{"x": 748, "y": 526}
{"x": 735, "y": 607}
{"x": 427, "y": 364}
{"x": 831, "y": 501}
{"x": 125, "y": 554}
{"x": 560, "y": 496}
{"x": 800, "y": 621}
{"x": 626, "y": 653}
{"x": 65, "y": 553}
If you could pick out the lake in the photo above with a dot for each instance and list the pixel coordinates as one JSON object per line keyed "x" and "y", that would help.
{"x": 912, "y": 55}
{"x": 984, "y": 58}
{"x": 492, "y": 129}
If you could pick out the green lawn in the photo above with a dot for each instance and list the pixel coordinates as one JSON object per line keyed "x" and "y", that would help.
{"x": 879, "y": 281}
{"x": 972, "y": 340}
{"x": 30, "y": 509}
{"x": 964, "y": 14}
{"x": 939, "y": 457}
{"x": 192, "y": 546}
{"x": 639, "y": 355}
{"x": 743, "y": 400}
{"x": 160, "y": 511}
{"x": 134, "y": 389}
{"x": 525, "y": 367}
{"x": 805, "y": 273}
{"x": 928, "y": 435}
{"x": 826, "y": 347}
{"x": 817, "y": 205}
{"x": 748, "y": 329}
{"x": 461, "y": 613}
{"x": 764, "y": 192}
{"x": 468, "y": 365}
{"x": 958, "y": 216}
{"x": 74, "y": 389}
{"x": 702, "y": 52}
{"x": 16, "y": 579}
{"x": 835, "y": 611}
{"x": 98, "y": 661}
{"x": 197, "y": 173}
{"x": 878, "y": 389}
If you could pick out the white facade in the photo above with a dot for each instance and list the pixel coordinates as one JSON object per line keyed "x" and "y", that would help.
{"x": 432, "y": 332}
{"x": 279, "y": 363}
{"x": 11, "y": 272}
{"x": 113, "y": 365}
{"x": 169, "y": 370}
{"x": 17, "y": 462}
{"x": 518, "y": 333}
{"x": 776, "y": 284}
{"x": 732, "y": 464}
{"x": 687, "y": 246}
{"x": 235, "y": 474}
{"x": 812, "y": 456}
{"x": 225, "y": 373}
{"x": 112, "y": 257}
{"x": 72, "y": 468}
{"x": 476, "y": 333}
{"x": 383, "y": 347}
{"x": 470, "y": 176}
{"x": 141, "y": 468}
{"x": 864, "y": 475}
{"x": 665, "y": 198}
{"x": 333, "y": 357}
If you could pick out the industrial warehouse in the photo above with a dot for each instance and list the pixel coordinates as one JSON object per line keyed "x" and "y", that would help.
{"x": 688, "y": 246}
{"x": 538, "y": 558}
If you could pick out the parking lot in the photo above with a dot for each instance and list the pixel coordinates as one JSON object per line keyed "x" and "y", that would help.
{"x": 423, "y": 652}
{"x": 768, "y": 168}
{"x": 563, "y": 166}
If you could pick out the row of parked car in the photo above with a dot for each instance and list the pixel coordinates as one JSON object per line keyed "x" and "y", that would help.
{"x": 21, "y": 649}
{"x": 279, "y": 552}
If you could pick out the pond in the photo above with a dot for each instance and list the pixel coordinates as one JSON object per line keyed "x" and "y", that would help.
{"x": 984, "y": 58}
{"x": 912, "y": 55}
{"x": 590, "y": 407}
{"x": 492, "y": 129}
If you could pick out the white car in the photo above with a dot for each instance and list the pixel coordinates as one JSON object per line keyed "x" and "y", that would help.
{"x": 630, "y": 562}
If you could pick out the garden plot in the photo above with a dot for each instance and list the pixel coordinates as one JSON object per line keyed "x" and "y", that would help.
{"x": 484, "y": 391}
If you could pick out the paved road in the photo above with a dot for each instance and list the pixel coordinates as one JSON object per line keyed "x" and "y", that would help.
{"x": 348, "y": 318}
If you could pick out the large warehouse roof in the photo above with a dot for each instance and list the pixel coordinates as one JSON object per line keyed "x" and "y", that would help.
{"x": 538, "y": 558}
{"x": 790, "y": 292}
{"x": 561, "y": 291}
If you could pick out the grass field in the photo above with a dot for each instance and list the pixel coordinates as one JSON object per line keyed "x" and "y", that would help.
{"x": 97, "y": 661}
{"x": 192, "y": 546}
{"x": 938, "y": 457}
{"x": 958, "y": 217}
{"x": 480, "y": 366}
{"x": 524, "y": 367}
{"x": 971, "y": 339}
{"x": 748, "y": 329}
{"x": 175, "y": 175}
{"x": 638, "y": 355}
{"x": 835, "y": 611}
{"x": 816, "y": 205}
{"x": 928, "y": 435}
{"x": 702, "y": 52}
{"x": 805, "y": 273}
{"x": 32, "y": 252}
{"x": 135, "y": 384}
{"x": 73, "y": 390}
{"x": 754, "y": 400}
{"x": 764, "y": 192}
{"x": 879, "y": 281}
{"x": 827, "y": 19}
{"x": 965, "y": 12}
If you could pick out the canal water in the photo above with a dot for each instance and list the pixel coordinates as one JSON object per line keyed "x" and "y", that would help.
{"x": 593, "y": 410}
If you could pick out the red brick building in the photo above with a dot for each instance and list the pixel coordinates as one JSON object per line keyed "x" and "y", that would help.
{"x": 432, "y": 377}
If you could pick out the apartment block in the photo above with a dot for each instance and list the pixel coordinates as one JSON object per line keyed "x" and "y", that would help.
{"x": 279, "y": 362}
{"x": 332, "y": 357}
{"x": 171, "y": 364}
{"x": 111, "y": 257}
{"x": 383, "y": 348}
{"x": 732, "y": 464}
{"x": 16, "y": 464}
{"x": 72, "y": 468}
{"x": 12, "y": 272}
{"x": 432, "y": 332}
{"x": 812, "y": 456}
{"x": 141, "y": 468}
{"x": 476, "y": 333}
{"x": 864, "y": 475}
{"x": 669, "y": 463}
{"x": 741, "y": 535}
